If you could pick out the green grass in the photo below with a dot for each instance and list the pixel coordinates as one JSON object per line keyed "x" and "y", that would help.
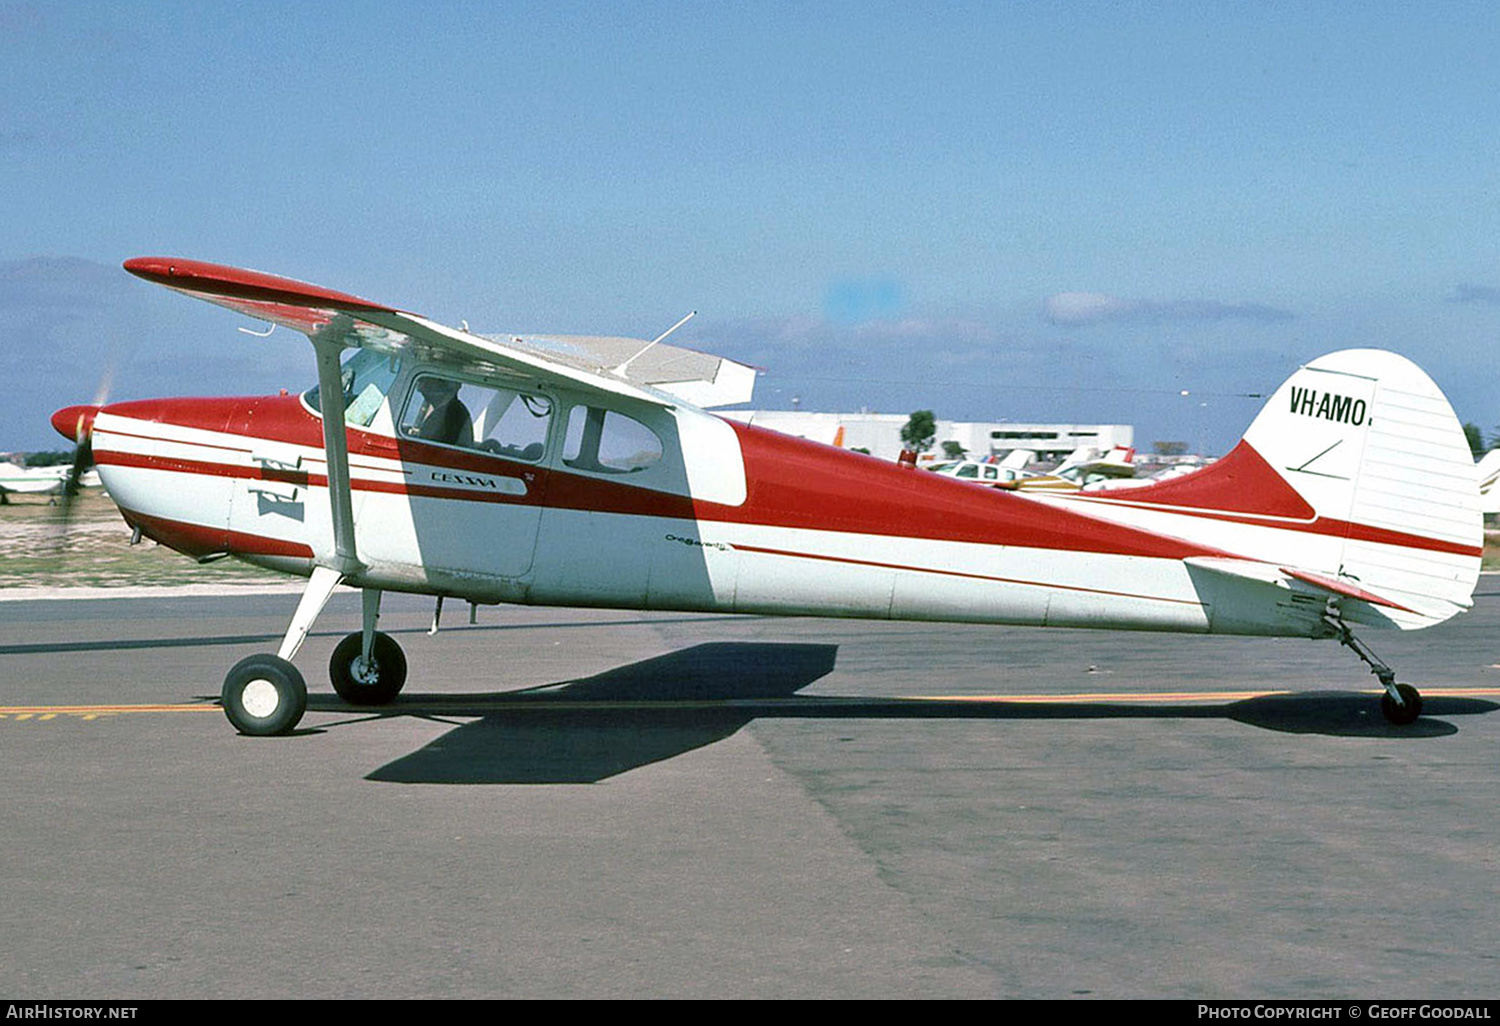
{"x": 91, "y": 548}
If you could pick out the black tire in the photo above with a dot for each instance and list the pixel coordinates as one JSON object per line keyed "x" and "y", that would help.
{"x": 258, "y": 709}
{"x": 1401, "y": 715}
{"x": 378, "y": 684}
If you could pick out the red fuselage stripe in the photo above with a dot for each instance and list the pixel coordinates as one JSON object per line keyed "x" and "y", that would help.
{"x": 198, "y": 540}
{"x": 1325, "y": 526}
{"x": 791, "y": 484}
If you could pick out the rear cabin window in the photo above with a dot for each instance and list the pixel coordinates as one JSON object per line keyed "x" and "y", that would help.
{"x": 605, "y": 442}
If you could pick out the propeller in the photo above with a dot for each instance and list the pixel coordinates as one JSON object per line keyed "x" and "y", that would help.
{"x": 77, "y": 423}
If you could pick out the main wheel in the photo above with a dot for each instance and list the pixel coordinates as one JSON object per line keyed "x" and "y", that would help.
{"x": 376, "y": 682}
{"x": 1405, "y": 713}
{"x": 264, "y": 695}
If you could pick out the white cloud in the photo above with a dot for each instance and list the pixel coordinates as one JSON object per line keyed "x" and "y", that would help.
{"x": 1086, "y": 307}
{"x": 1075, "y": 308}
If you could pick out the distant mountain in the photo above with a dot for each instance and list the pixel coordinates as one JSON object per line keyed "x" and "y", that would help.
{"x": 67, "y": 324}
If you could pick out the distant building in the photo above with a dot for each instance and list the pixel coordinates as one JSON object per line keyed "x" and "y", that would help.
{"x": 880, "y": 433}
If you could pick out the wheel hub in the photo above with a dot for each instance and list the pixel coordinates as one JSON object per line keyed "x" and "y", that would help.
{"x": 260, "y": 698}
{"x": 365, "y": 671}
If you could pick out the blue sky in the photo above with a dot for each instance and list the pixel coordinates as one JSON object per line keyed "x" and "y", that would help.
{"x": 994, "y": 210}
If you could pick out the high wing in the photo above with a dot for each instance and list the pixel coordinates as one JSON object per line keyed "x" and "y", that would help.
{"x": 333, "y": 321}
{"x": 700, "y": 379}
{"x": 664, "y": 374}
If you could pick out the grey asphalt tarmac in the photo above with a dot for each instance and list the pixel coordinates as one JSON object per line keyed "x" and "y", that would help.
{"x": 595, "y": 803}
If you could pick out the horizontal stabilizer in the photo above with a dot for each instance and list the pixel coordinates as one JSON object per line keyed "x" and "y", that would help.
{"x": 1344, "y": 588}
{"x": 1270, "y": 573}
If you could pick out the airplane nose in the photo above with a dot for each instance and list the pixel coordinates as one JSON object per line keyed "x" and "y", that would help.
{"x": 75, "y": 423}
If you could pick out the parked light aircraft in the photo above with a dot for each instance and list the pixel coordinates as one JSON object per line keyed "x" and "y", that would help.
{"x": 1085, "y": 467}
{"x": 1488, "y": 470}
{"x": 586, "y": 471}
{"x": 43, "y": 480}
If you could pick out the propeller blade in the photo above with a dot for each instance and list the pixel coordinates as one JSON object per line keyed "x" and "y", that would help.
{"x": 77, "y": 422}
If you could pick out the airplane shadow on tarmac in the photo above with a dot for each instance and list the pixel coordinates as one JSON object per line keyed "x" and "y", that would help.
{"x": 587, "y": 730}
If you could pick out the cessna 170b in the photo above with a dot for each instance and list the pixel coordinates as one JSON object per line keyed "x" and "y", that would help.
{"x": 586, "y": 472}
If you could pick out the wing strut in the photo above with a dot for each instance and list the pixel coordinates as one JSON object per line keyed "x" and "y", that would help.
{"x": 336, "y": 447}
{"x": 345, "y": 559}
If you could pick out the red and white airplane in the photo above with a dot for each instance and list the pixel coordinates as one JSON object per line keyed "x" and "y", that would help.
{"x": 586, "y": 472}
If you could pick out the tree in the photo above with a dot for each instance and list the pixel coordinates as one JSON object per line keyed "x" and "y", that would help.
{"x": 49, "y": 458}
{"x": 953, "y": 451}
{"x": 920, "y": 431}
{"x": 1476, "y": 439}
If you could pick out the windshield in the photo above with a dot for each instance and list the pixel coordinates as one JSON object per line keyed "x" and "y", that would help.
{"x": 367, "y": 376}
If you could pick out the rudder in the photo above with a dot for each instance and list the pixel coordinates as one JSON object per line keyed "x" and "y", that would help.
{"x": 1371, "y": 444}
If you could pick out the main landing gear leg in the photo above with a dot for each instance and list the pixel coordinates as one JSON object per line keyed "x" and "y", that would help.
{"x": 265, "y": 694}
{"x": 368, "y": 667}
{"x": 1401, "y": 703}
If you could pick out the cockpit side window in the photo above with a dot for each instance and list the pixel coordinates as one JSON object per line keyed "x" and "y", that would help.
{"x": 502, "y": 421}
{"x": 367, "y": 376}
{"x": 607, "y": 442}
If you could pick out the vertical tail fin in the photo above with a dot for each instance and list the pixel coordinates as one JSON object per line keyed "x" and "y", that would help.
{"x": 1371, "y": 444}
{"x": 1355, "y": 479}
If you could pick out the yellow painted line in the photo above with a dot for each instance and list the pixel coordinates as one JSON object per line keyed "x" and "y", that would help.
{"x": 435, "y": 703}
{"x": 1190, "y": 696}
{"x": 1112, "y": 696}
{"x": 499, "y": 703}
{"x": 47, "y": 712}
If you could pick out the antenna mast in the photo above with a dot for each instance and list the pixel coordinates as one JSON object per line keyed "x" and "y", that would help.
{"x": 620, "y": 370}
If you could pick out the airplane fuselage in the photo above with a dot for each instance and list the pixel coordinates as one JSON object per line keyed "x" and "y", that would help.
{"x": 729, "y": 518}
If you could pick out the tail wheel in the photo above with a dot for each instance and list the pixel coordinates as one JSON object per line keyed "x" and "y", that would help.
{"x": 1409, "y": 709}
{"x": 376, "y": 681}
{"x": 264, "y": 695}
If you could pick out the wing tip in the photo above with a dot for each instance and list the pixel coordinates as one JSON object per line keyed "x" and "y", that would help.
{"x": 224, "y": 280}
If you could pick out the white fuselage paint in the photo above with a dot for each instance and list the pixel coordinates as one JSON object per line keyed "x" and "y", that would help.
{"x": 526, "y": 552}
{"x": 1324, "y": 491}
